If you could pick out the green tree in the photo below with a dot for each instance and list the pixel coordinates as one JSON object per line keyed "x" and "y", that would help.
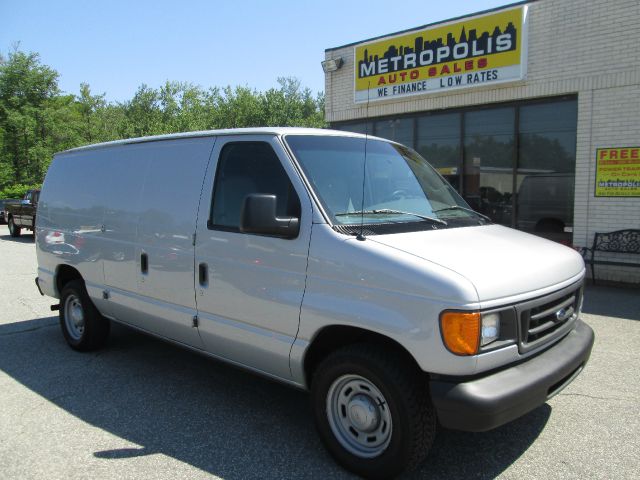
{"x": 143, "y": 113}
{"x": 90, "y": 107}
{"x": 28, "y": 92}
{"x": 37, "y": 119}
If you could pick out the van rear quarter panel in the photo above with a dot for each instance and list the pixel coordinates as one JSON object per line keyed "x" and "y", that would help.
{"x": 100, "y": 208}
{"x": 70, "y": 215}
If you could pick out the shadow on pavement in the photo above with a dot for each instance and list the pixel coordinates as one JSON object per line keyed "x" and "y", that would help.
{"x": 612, "y": 302}
{"x": 212, "y": 416}
{"x": 24, "y": 238}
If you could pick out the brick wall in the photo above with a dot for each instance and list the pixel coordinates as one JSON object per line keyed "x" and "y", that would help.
{"x": 584, "y": 47}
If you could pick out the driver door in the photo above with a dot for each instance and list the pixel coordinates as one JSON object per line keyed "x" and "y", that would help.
{"x": 249, "y": 287}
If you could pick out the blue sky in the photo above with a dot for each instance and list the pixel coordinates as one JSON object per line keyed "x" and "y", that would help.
{"x": 115, "y": 46}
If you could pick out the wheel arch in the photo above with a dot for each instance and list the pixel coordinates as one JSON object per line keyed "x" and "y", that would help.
{"x": 64, "y": 274}
{"x": 333, "y": 337}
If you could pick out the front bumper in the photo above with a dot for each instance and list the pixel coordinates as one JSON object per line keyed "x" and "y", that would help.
{"x": 490, "y": 401}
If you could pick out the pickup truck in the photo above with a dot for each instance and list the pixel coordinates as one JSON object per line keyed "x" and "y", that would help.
{"x": 3, "y": 203}
{"x": 22, "y": 214}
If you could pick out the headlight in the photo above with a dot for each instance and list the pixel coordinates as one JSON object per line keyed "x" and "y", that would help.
{"x": 490, "y": 328}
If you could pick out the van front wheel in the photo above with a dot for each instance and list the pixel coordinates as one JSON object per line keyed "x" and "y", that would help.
{"x": 373, "y": 411}
{"x": 83, "y": 327}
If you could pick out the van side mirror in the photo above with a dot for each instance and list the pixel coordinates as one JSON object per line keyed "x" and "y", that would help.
{"x": 258, "y": 215}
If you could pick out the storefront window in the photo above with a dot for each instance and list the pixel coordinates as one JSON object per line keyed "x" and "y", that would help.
{"x": 531, "y": 189}
{"x": 360, "y": 127}
{"x": 399, "y": 130}
{"x": 438, "y": 140}
{"x": 546, "y": 169}
{"x": 489, "y": 159}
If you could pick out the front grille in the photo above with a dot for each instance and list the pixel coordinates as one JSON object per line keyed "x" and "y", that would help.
{"x": 546, "y": 318}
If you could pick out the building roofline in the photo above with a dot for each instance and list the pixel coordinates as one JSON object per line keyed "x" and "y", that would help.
{"x": 422, "y": 27}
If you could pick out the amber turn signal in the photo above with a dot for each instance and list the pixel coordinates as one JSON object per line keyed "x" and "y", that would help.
{"x": 461, "y": 331}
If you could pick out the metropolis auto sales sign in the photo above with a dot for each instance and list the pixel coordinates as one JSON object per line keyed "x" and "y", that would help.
{"x": 481, "y": 50}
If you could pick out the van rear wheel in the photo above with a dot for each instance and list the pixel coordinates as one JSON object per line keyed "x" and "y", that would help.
{"x": 14, "y": 230}
{"x": 373, "y": 411}
{"x": 83, "y": 327}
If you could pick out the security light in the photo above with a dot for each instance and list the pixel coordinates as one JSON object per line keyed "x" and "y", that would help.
{"x": 332, "y": 64}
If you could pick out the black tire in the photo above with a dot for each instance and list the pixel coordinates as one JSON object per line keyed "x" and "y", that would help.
{"x": 14, "y": 230}
{"x": 77, "y": 308}
{"x": 402, "y": 386}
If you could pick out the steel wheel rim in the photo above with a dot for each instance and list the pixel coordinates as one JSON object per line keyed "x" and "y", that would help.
{"x": 359, "y": 416}
{"x": 74, "y": 317}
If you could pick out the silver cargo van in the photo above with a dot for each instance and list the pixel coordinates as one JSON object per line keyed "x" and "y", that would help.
{"x": 330, "y": 261}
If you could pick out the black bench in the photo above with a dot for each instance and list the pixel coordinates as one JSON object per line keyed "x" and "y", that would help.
{"x": 621, "y": 241}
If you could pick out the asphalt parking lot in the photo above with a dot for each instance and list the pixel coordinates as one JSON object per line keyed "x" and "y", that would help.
{"x": 142, "y": 408}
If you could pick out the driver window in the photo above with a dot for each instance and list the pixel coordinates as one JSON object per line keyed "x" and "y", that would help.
{"x": 245, "y": 168}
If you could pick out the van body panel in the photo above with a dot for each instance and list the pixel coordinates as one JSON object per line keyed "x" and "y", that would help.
{"x": 123, "y": 173}
{"x": 171, "y": 321}
{"x": 369, "y": 285}
{"x": 46, "y": 283}
{"x": 124, "y": 208}
{"x": 71, "y": 211}
{"x": 249, "y": 310}
{"x": 523, "y": 296}
{"x": 165, "y": 230}
{"x": 499, "y": 261}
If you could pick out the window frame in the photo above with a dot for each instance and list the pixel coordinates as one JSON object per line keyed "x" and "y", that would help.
{"x": 230, "y": 229}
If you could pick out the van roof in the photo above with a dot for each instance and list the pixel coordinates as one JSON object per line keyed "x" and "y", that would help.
{"x": 231, "y": 131}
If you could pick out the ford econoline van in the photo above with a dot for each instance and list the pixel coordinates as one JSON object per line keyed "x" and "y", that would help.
{"x": 333, "y": 262}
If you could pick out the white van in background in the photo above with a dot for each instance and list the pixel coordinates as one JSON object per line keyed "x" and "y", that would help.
{"x": 326, "y": 260}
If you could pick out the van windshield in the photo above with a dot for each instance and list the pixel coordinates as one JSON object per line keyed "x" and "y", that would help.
{"x": 399, "y": 185}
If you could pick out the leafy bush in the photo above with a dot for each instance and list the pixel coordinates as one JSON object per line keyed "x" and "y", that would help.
{"x": 17, "y": 191}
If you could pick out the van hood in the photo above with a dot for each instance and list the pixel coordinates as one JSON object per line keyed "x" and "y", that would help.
{"x": 499, "y": 261}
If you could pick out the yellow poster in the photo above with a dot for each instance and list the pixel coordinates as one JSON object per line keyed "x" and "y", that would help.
{"x": 618, "y": 172}
{"x": 480, "y": 50}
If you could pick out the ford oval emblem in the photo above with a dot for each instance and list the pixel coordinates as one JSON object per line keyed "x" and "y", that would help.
{"x": 564, "y": 313}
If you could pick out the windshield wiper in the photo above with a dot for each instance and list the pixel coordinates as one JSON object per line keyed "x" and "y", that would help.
{"x": 387, "y": 211}
{"x": 458, "y": 207}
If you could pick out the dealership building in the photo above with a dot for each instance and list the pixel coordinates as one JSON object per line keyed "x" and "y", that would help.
{"x": 531, "y": 111}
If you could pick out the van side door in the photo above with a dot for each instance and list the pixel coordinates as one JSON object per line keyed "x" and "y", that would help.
{"x": 249, "y": 287}
{"x": 165, "y": 301}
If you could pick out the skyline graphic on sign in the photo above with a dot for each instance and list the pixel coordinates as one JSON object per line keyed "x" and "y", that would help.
{"x": 477, "y": 46}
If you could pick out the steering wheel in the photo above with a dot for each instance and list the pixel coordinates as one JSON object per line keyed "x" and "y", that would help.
{"x": 399, "y": 194}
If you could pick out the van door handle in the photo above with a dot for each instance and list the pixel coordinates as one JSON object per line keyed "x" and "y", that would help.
{"x": 203, "y": 274}
{"x": 144, "y": 263}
